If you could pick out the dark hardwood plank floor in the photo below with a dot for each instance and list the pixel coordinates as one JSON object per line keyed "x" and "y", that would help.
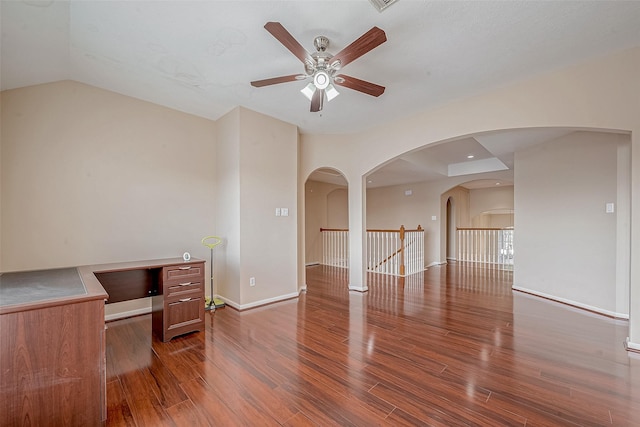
{"x": 451, "y": 346}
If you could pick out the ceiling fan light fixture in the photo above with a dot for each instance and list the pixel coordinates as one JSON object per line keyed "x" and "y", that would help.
{"x": 308, "y": 91}
{"x": 321, "y": 66}
{"x": 321, "y": 80}
{"x": 331, "y": 92}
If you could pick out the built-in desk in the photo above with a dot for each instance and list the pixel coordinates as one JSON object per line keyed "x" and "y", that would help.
{"x": 175, "y": 286}
{"x": 52, "y": 349}
{"x": 52, "y": 333}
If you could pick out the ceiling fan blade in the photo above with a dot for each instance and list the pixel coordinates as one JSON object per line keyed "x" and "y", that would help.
{"x": 279, "y": 32}
{"x": 359, "y": 85}
{"x": 317, "y": 100}
{"x": 275, "y": 80}
{"x": 368, "y": 41}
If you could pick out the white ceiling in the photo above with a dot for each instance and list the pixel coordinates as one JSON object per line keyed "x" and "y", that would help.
{"x": 491, "y": 152}
{"x": 199, "y": 56}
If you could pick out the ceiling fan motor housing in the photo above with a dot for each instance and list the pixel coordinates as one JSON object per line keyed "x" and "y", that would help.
{"x": 321, "y": 43}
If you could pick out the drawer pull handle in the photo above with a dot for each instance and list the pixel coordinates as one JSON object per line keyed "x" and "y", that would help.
{"x": 188, "y": 267}
{"x": 184, "y": 284}
{"x": 185, "y": 299}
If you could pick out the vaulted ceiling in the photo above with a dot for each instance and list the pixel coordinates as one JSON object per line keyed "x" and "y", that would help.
{"x": 199, "y": 56}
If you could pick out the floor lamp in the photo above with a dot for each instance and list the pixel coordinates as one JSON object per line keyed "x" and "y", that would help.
{"x": 211, "y": 242}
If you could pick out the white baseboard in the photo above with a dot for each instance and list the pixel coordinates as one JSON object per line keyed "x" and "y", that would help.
{"x": 255, "y": 304}
{"x": 632, "y": 346}
{"x": 309, "y": 264}
{"x": 573, "y": 303}
{"x": 146, "y": 310}
{"x": 358, "y": 288}
{"x": 125, "y": 314}
{"x": 435, "y": 263}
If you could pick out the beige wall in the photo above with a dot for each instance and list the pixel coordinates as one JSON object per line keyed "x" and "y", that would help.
{"x": 325, "y": 207}
{"x": 269, "y": 172}
{"x": 338, "y": 208}
{"x": 90, "y": 176}
{"x": 1, "y": 182}
{"x": 487, "y": 203}
{"x": 227, "y": 207}
{"x": 561, "y": 223}
{"x": 493, "y": 220}
{"x": 257, "y": 162}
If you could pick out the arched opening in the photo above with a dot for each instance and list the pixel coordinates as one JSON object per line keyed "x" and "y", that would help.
{"x": 561, "y": 198}
{"x": 479, "y": 222}
{"x": 451, "y": 230}
{"x": 326, "y": 208}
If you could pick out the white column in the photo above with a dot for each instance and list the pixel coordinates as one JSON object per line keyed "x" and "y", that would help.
{"x": 357, "y": 234}
{"x": 623, "y": 229}
{"x": 634, "y": 294}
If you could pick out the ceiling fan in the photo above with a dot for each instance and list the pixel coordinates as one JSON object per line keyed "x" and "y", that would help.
{"x": 324, "y": 68}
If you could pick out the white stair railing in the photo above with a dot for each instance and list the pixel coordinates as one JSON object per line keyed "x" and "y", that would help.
{"x": 395, "y": 252}
{"x": 382, "y": 251}
{"x": 414, "y": 251}
{"x": 486, "y": 245}
{"x": 335, "y": 247}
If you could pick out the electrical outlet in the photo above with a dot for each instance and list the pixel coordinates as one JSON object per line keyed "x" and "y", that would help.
{"x": 252, "y": 281}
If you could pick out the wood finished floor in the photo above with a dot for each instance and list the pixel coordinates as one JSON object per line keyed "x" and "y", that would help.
{"x": 451, "y": 346}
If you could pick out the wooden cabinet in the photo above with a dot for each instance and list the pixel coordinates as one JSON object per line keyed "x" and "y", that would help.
{"x": 52, "y": 350}
{"x": 179, "y": 308}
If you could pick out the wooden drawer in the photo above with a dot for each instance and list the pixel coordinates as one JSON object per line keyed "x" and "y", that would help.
{"x": 183, "y": 273}
{"x": 183, "y": 315}
{"x": 183, "y": 289}
{"x": 179, "y": 308}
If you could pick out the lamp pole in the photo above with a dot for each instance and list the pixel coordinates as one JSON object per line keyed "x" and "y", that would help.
{"x": 211, "y": 242}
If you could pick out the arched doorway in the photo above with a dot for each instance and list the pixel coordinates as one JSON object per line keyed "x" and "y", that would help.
{"x": 451, "y": 230}
{"x": 326, "y": 207}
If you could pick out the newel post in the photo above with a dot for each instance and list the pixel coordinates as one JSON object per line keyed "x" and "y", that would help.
{"x": 402, "y": 250}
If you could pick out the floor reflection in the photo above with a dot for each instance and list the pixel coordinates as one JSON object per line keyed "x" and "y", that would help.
{"x": 452, "y": 345}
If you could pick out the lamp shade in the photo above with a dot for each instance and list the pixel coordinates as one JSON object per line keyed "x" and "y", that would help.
{"x": 308, "y": 90}
{"x": 331, "y": 92}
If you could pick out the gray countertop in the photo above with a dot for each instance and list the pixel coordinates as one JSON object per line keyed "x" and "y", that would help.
{"x": 32, "y": 286}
